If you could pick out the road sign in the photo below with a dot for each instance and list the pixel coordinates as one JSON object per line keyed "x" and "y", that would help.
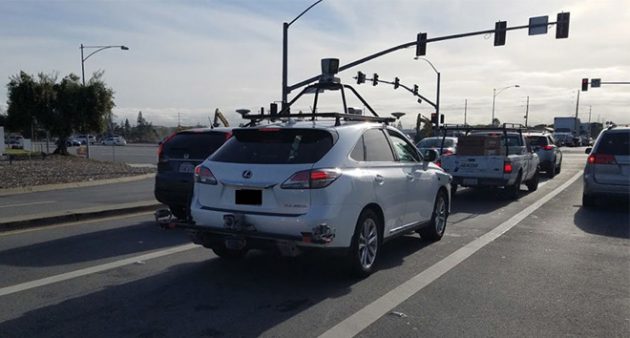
{"x": 538, "y": 25}
{"x": 596, "y": 83}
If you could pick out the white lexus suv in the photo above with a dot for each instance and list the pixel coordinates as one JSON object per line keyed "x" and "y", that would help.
{"x": 337, "y": 182}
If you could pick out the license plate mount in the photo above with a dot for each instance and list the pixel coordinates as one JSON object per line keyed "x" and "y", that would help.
{"x": 248, "y": 197}
{"x": 469, "y": 181}
{"x": 187, "y": 168}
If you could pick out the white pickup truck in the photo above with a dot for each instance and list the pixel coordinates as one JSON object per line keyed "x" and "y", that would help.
{"x": 493, "y": 159}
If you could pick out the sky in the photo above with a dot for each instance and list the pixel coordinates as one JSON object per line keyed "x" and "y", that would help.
{"x": 187, "y": 58}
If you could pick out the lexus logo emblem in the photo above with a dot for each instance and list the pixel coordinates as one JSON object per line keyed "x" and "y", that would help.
{"x": 186, "y": 156}
{"x": 247, "y": 174}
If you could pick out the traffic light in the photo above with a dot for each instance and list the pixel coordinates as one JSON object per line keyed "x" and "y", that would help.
{"x": 360, "y": 78}
{"x": 499, "y": 33}
{"x": 396, "y": 83}
{"x": 421, "y": 44}
{"x": 562, "y": 26}
{"x": 375, "y": 79}
{"x": 584, "y": 85}
{"x": 434, "y": 118}
{"x": 415, "y": 89}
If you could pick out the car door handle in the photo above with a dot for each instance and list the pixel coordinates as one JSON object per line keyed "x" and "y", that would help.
{"x": 379, "y": 179}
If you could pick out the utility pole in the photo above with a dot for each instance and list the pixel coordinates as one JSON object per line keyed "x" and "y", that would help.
{"x": 465, "y": 110}
{"x": 577, "y": 108}
{"x": 526, "y": 111}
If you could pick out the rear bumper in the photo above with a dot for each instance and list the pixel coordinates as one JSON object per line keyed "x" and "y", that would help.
{"x": 301, "y": 229}
{"x": 480, "y": 182}
{"x": 591, "y": 187}
{"x": 173, "y": 192}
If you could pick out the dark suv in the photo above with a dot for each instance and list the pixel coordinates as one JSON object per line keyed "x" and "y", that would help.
{"x": 178, "y": 155}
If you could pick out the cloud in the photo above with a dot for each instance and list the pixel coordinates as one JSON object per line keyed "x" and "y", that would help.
{"x": 192, "y": 57}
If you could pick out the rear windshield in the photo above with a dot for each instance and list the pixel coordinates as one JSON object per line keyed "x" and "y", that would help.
{"x": 196, "y": 145}
{"x": 537, "y": 141}
{"x": 435, "y": 143}
{"x": 614, "y": 144}
{"x": 275, "y": 146}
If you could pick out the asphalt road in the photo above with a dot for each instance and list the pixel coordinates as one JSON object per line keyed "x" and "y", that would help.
{"x": 37, "y": 203}
{"x": 539, "y": 266}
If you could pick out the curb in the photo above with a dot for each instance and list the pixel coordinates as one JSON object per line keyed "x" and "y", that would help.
{"x": 18, "y": 223}
{"x": 61, "y": 186}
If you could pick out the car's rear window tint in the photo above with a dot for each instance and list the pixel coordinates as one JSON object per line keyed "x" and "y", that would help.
{"x": 435, "y": 143}
{"x": 537, "y": 141}
{"x": 275, "y": 146}
{"x": 615, "y": 144}
{"x": 198, "y": 145}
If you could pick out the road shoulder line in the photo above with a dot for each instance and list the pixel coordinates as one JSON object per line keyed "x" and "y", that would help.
{"x": 61, "y": 186}
{"x": 93, "y": 269}
{"x": 369, "y": 314}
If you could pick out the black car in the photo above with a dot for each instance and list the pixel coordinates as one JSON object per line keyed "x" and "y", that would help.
{"x": 178, "y": 155}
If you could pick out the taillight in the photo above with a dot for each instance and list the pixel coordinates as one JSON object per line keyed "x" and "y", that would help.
{"x": 507, "y": 167}
{"x": 447, "y": 152}
{"x": 548, "y": 147}
{"x": 228, "y": 135}
{"x": 204, "y": 175}
{"x": 438, "y": 163}
{"x": 311, "y": 179}
{"x": 160, "y": 151}
{"x": 601, "y": 159}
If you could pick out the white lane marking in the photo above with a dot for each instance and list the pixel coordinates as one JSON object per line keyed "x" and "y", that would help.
{"x": 93, "y": 269}
{"x": 363, "y": 318}
{"x": 62, "y": 225}
{"x": 25, "y": 204}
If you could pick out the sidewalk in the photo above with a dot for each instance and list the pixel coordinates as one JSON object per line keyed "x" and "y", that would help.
{"x": 69, "y": 203}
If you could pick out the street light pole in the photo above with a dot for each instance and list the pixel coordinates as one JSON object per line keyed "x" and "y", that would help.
{"x": 526, "y": 111}
{"x": 285, "y": 43}
{"x": 437, "y": 96}
{"x": 83, "y": 59}
{"x": 494, "y": 96}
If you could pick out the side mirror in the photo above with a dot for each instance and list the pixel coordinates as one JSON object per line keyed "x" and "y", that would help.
{"x": 430, "y": 155}
{"x": 588, "y": 150}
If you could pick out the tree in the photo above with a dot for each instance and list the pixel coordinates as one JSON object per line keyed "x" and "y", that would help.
{"x": 60, "y": 107}
{"x": 496, "y": 122}
{"x": 127, "y": 128}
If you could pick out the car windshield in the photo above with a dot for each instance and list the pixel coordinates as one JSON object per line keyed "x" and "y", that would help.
{"x": 435, "y": 142}
{"x": 275, "y": 146}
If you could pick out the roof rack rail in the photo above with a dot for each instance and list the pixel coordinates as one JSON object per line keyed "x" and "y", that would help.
{"x": 466, "y": 127}
{"x": 316, "y": 89}
{"x": 337, "y": 116}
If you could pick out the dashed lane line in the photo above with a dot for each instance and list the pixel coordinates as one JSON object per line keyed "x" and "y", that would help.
{"x": 363, "y": 318}
{"x": 93, "y": 269}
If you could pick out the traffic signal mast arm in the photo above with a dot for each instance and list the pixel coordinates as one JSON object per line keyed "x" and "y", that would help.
{"x": 405, "y": 87}
{"x": 415, "y": 42}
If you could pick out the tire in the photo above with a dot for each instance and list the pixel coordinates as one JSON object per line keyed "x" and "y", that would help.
{"x": 179, "y": 212}
{"x": 226, "y": 253}
{"x": 559, "y": 168}
{"x": 366, "y": 244}
{"x": 551, "y": 172}
{"x": 513, "y": 191}
{"x": 588, "y": 201}
{"x": 436, "y": 228}
{"x": 532, "y": 184}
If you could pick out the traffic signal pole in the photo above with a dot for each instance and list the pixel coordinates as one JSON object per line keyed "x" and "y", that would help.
{"x": 412, "y": 44}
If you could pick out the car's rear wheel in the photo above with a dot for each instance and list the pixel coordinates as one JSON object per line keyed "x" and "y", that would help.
{"x": 435, "y": 230}
{"x": 532, "y": 184}
{"x": 513, "y": 191}
{"x": 588, "y": 201}
{"x": 179, "y": 212}
{"x": 365, "y": 243}
{"x": 551, "y": 171}
{"x": 224, "y": 252}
